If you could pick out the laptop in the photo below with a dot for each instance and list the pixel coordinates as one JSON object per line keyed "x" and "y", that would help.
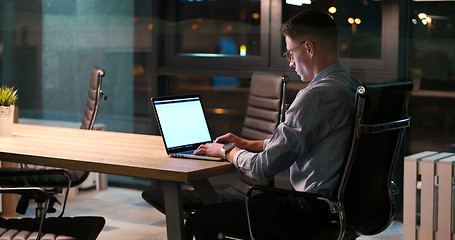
{"x": 182, "y": 125}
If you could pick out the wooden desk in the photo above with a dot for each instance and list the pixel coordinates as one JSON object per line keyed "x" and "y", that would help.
{"x": 114, "y": 153}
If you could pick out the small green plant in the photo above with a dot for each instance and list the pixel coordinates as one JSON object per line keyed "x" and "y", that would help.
{"x": 8, "y": 96}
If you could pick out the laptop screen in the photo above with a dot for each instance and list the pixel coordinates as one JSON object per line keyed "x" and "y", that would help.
{"x": 182, "y": 122}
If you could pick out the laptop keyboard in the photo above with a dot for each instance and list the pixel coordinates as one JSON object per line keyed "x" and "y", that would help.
{"x": 189, "y": 152}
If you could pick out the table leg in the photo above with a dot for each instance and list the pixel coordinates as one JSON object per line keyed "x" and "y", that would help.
{"x": 174, "y": 210}
{"x": 205, "y": 191}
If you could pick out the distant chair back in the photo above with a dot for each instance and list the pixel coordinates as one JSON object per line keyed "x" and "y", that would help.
{"x": 266, "y": 105}
{"x": 95, "y": 95}
{"x": 266, "y": 109}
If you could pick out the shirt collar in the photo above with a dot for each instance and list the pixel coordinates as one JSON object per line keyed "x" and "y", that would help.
{"x": 327, "y": 71}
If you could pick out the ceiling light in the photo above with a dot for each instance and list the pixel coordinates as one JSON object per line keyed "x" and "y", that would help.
{"x": 332, "y": 10}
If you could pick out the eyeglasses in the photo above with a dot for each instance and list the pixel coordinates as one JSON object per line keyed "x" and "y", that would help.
{"x": 289, "y": 55}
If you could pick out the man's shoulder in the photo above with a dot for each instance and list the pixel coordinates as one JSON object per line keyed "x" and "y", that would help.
{"x": 329, "y": 89}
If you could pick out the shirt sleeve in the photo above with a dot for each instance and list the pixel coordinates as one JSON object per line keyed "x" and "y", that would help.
{"x": 236, "y": 156}
{"x": 307, "y": 135}
{"x": 266, "y": 141}
{"x": 286, "y": 145}
{"x": 313, "y": 139}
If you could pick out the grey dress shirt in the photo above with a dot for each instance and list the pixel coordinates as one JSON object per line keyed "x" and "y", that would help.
{"x": 312, "y": 140}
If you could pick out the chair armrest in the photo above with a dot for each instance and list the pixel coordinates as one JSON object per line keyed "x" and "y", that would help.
{"x": 244, "y": 182}
{"x": 375, "y": 128}
{"x": 270, "y": 189}
{"x": 14, "y": 172}
{"x": 333, "y": 204}
{"x": 23, "y": 190}
{"x": 36, "y": 172}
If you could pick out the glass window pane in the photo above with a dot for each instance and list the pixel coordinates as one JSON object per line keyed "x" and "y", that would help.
{"x": 218, "y": 27}
{"x": 433, "y": 52}
{"x": 48, "y": 48}
{"x": 432, "y": 69}
{"x": 359, "y": 25}
{"x": 224, "y": 106}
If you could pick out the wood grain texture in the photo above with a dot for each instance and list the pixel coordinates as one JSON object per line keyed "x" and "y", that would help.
{"x": 127, "y": 154}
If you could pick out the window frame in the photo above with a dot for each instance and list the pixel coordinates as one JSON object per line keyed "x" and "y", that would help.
{"x": 382, "y": 69}
{"x": 172, "y": 59}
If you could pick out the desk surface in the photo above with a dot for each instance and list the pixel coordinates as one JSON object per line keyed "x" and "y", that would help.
{"x": 127, "y": 154}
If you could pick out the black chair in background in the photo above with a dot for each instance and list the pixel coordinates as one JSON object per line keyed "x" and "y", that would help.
{"x": 42, "y": 185}
{"x": 364, "y": 201}
{"x": 40, "y": 227}
{"x": 53, "y": 183}
{"x": 265, "y": 110}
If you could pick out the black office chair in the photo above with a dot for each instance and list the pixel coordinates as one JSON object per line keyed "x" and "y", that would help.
{"x": 55, "y": 182}
{"x": 364, "y": 201}
{"x": 40, "y": 227}
{"x": 265, "y": 110}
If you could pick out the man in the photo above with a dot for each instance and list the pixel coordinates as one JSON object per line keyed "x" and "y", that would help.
{"x": 312, "y": 142}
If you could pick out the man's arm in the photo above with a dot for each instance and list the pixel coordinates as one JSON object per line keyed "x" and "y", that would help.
{"x": 214, "y": 149}
{"x": 249, "y": 145}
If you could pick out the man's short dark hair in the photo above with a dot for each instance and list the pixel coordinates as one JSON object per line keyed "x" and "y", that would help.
{"x": 312, "y": 22}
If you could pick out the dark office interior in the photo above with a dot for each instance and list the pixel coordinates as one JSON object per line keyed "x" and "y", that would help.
{"x": 154, "y": 48}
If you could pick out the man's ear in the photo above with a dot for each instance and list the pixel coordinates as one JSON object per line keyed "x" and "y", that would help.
{"x": 309, "y": 47}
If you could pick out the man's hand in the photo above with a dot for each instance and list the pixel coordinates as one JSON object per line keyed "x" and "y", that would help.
{"x": 214, "y": 149}
{"x": 210, "y": 149}
{"x": 249, "y": 145}
{"x": 231, "y": 138}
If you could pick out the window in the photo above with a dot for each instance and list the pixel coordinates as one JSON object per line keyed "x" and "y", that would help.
{"x": 432, "y": 69}
{"x": 216, "y": 32}
{"x": 359, "y": 25}
{"x": 48, "y": 48}
{"x": 218, "y": 28}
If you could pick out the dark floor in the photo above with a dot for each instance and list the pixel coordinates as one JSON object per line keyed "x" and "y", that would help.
{"x": 128, "y": 217}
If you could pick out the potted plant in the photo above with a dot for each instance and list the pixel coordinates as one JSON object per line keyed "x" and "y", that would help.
{"x": 8, "y": 97}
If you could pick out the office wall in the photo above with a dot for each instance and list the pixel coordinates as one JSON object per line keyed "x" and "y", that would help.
{"x": 77, "y": 35}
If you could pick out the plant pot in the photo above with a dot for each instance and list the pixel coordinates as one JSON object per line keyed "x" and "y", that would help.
{"x": 6, "y": 120}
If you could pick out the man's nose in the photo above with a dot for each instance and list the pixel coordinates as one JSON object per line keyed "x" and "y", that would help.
{"x": 291, "y": 64}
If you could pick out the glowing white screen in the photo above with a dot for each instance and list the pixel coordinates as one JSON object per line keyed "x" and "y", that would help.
{"x": 182, "y": 122}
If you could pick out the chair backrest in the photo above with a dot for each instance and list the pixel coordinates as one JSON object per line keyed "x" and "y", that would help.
{"x": 95, "y": 94}
{"x": 366, "y": 187}
{"x": 265, "y": 110}
{"x": 266, "y": 103}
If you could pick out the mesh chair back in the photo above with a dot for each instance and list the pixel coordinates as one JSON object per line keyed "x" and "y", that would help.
{"x": 266, "y": 103}
{"x": 366, "y": 190}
